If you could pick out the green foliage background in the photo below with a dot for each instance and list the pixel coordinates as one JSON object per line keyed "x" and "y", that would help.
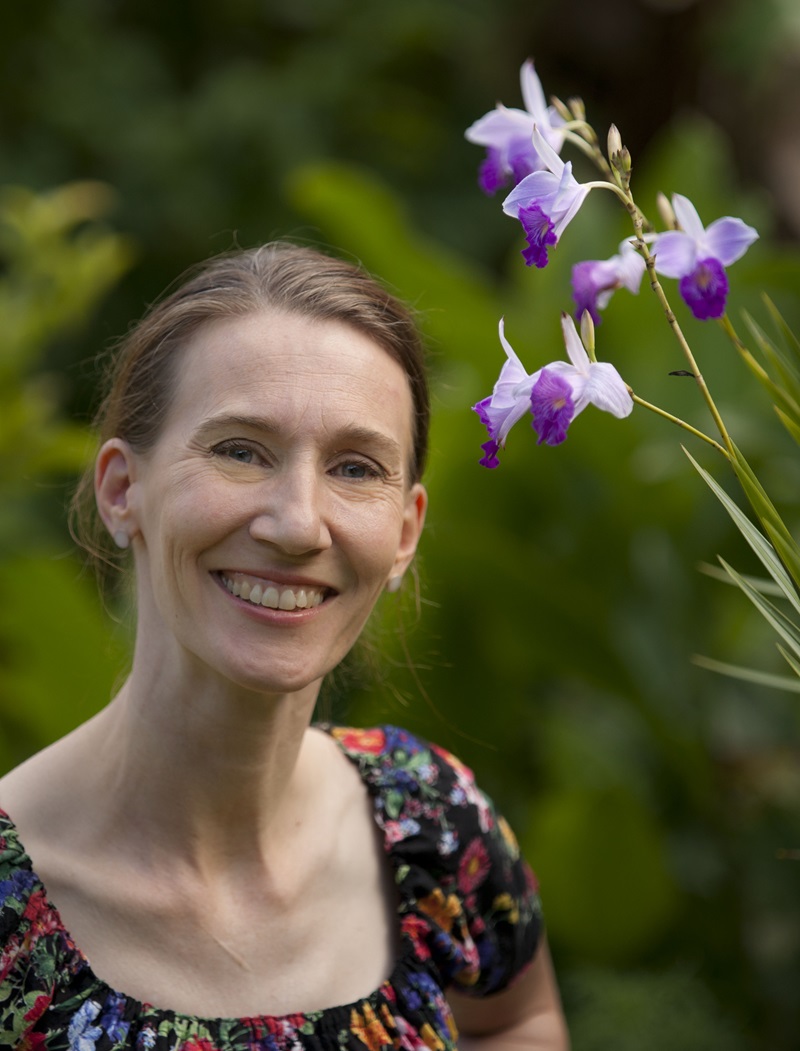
{"x": 560, "y": 597}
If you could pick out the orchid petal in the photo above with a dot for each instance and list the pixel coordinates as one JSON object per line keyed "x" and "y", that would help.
{"x": 705, "y": 289}
{"x": 676, "y": 253}
{"x": 630, "y": 267}
{"x": 532, "y": 93}
{"x": 688, "y": 219}
{"x": 498, "y": 125}
{"x": 552, "y": 407}
{"x": 607, "y": 390}
{"x": 549, "y": 156}
{"x": 575, "y": 348}
{"x": 510, "y": 399}
{"x": 727, "y": 239}
{"x": 580, "y": 194}
{"x": 532, "y": 188}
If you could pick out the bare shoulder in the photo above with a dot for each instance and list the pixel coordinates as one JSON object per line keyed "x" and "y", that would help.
{"x": 45, "y": 796}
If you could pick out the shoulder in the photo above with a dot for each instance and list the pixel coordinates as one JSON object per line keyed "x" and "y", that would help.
{"x": 470, "y": 897}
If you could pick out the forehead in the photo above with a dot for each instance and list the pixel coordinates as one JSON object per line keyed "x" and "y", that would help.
{"x": 292, "y": 368}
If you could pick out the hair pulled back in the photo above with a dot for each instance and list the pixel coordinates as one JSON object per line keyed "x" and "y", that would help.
{"x": 141, "y": 379}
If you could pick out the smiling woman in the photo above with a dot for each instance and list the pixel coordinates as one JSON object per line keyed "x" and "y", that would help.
{"x": 220, "y": 873}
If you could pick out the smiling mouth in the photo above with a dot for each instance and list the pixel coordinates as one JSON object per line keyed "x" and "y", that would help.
{"x": 271, "y": 595}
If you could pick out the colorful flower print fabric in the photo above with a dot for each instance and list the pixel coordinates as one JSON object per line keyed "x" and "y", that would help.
{"x": 468, "y": 914}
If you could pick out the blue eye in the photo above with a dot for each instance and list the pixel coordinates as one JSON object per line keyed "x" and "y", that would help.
{"x": 355, "y": 470}
{"x": 236, "y": 451}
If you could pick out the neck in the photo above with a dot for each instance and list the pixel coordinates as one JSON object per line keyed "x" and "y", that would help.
{"x": 208, "y": 771}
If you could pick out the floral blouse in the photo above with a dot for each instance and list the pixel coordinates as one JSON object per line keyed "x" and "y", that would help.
{"x": 468, "y": 914}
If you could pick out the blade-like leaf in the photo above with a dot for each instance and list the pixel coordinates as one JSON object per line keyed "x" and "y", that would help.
{"x": 792, "y": 426}
{"x": 790, "y": 660}
{"x": 760, "y": 545}
{"x": 761, "y": 678}
{"x": 787, "y": 629}
{"x": 761, "y": 584}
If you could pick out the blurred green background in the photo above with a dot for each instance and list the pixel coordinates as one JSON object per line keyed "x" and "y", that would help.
{"x": 561, "y": 601}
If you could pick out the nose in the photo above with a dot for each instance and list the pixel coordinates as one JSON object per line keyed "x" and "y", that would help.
{"x": 291, "y": 513}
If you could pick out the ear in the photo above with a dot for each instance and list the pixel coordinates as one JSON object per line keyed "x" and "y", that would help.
{"x": 413, "y": 521}
{"x": 114, "y": 478}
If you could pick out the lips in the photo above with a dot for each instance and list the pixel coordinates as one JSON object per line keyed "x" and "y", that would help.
{"x": 272, "y": 594}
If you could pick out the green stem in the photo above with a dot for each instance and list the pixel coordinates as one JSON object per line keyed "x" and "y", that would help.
{"x": 591, "y": 147}
{"x": 680, "y": 423}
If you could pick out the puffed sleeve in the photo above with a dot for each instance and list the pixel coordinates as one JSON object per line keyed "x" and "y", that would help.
{"x": 501, "y": 921}
{"x": 469, "y": 906}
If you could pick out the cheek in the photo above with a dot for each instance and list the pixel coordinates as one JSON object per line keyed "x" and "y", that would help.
{"x": 372, "y": 537}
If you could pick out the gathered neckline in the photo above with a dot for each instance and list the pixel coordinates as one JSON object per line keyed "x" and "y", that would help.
{"x": 335, "y": 1013}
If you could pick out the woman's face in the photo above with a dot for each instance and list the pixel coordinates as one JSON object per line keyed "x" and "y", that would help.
{"x": 276, "y": 503}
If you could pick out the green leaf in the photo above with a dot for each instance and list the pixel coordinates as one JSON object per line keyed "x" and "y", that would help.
{"x": 786, "y": 628}
{"x": 761, "y": 678}
{"x": 790, "y": 660}
{"x": 761, "y": 584}
{"x": 760, "y": 545}
{"x": 792, "y": 426}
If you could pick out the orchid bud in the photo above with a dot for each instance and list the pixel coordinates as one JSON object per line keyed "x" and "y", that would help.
{"x": 587, "y": 333}
{"x": 666, "y": 212}
{"x": 614, "y": 142}
{"x": 577, "y": 109}
{"x": 561, "y": 108}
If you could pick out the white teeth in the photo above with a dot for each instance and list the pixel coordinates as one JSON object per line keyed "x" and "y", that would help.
{"x": 272, "y": 598}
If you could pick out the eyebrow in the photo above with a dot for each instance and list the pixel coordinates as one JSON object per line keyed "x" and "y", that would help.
{"x": 355, "y": 434}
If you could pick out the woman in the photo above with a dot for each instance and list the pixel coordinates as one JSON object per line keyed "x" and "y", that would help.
{"x": 225, "y": 874}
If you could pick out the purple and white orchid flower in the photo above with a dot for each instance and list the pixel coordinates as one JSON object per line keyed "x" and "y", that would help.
{"x": 545, "y": 202}
{"x": 698, "y": 255}
{"x": 564, "y": 389}
{"x": 595, "y": 281}
{"x": 508, "y": 402}
{"x": 554, "y": 395}
{"x": 507, "y": 135}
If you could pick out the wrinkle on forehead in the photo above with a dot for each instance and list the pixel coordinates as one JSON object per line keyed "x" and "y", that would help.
{"x": 297, "y": 372}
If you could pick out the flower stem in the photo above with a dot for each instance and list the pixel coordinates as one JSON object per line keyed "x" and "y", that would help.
{"x": 680, "y": 423}
{"x": 589, "y": 144}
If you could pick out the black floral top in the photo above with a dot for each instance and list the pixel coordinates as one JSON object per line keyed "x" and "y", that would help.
{"x": 468, "y": 913}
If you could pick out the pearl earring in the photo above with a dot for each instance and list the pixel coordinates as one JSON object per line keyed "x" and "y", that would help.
{"x": 393, "y": 584}
{"x": 121, "y": 539}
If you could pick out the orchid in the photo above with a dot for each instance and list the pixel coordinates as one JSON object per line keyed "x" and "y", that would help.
{"x": 698, "y": 256}
{"x": 545, "y": 202}
{"x": 595, "y": 281}
{"x": 562, "y": 390}
{"x": 507, "y": 135}
{"x": 508, "y": 403}
{"x": 554, "y": 395}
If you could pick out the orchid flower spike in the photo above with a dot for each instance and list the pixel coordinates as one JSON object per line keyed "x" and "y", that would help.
{"x": 698, "y": 256}
{"x": 507, "y": 135}
{"x": 562, "y": 390}
{"x": 545, "y": 202}
{"x": 595, "y": 281}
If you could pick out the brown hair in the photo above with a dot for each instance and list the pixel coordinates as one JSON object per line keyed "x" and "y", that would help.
{"x": 141, "y": 379}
